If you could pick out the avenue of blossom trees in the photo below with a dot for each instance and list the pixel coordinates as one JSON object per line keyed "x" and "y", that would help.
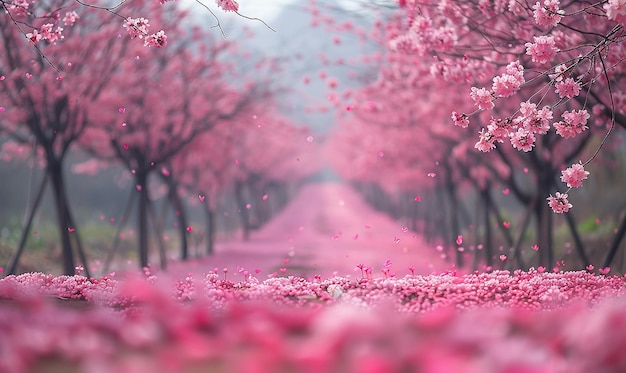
{"x": 499, "y": 99}
{"x": 484, "y": 130}
{"x": 153, "y": 110}
{"x": 472, "y": 108}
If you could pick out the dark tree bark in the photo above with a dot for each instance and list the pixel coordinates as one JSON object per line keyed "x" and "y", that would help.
{"x": 619, "y": 236}
{"x": 209, "y": 215}
{"x": 141, "y": 179}
{"x": 488, "y": 248}
{"x": 181, "y": 215}
{"x": 116, "y": 241}
{"x": 14, "y": 262}
{"x": 55, "y": 172}
{"x": 243, "y": 210}
{"x": 580, "y": 247}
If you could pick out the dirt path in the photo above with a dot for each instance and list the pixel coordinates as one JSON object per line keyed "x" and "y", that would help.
{"x": 327, "y": 229}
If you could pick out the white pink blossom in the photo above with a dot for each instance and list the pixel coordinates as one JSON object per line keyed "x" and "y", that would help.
{"x": 559, "y": 203}
{"x": 523, "y": 140}
{"x": 505, "y": 85}
{"x": 499, "y": 128}
{"x": 156, "y": 40}
{"x": 577, "y": 118}
{"x": 567, "y": 88}
{"x": 70, "y": 18}
{"x": 482, "y": 97}
{"x": 137, "y": 27}
{"x": 228, "y": 5}
{"x": 460, "y": 120}
{"x": 486, "y": 141}
{"x": 615, "y": 9}
{"x": 574, "y": 175}
{"x": 542, "y": 50}
{"x": 547, "y": 14}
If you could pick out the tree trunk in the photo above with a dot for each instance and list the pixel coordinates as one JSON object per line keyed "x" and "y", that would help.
{"x": 543, "y": 215}
{"x": 181, "y": 217}
{"x": 79, "y": 246}
{"x": 517, "y": 247}
{"x": 454, "y": 217}
{"x": 158, "y": 228}
{"x": 118, "y": 232}
{"x": 209, "y": 227}
{"x": 12, "y": 268}
{"x": 580, "y": 248}
{"x": 55, "y": 172}
{"x": 488, "y": 248}
{"x": 610, "y": 255}
{"x": 141, "y": 179}
{"x": 243, "y": 210}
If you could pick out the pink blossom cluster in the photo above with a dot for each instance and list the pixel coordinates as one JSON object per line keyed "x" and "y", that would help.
{"x": 521, "y": 130}
{"x": 138, "y": 28}
{"x": 573, "y": 176}
{"x": 574, "y": 122}
{"x": 616, "y": 10}
{"x": 228, "y": 5}
{"x": 548, "y": 14}
{"x": 51, "y": 32}
{"x": 559, "y": 322}
{"x": 559, "y": 203}
{"x": 423, "y": 35}
{"x": 565, "y": 43}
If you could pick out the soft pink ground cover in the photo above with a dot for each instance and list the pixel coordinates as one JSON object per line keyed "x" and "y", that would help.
{"x": 486, "y": 322}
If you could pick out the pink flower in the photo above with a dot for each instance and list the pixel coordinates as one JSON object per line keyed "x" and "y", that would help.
{"x": 51, "y": 35}
{"x": 535, "y": 121}
{"x": 542, "y": 50}
{"x": 500, "y": 128}
{"x": 228, "y": 5}
{"x": 505, "y": 85}
{"x": 156, "y": 40}
{"x": 70, "y": 18}
{"x": 516, "y": 69}
{"x": 564, "y": 129}
{"x": 559, "y": 203}
{"x": 578, "y": 119}
{"x": 34, "y": 36}
{"x": 523, "y": 140}
{"x": 527, "y": 108}
{"x": 615, "y": 8}
{"x": 567, "y": 88}
{"x": 573, "y": 176}
{"x": 548, "y": 14}
{"x": 485, "y": 142}
{"x": 460, "y": 120}
{"x": 136, "y": 27}
{"x": 482, "y": 98}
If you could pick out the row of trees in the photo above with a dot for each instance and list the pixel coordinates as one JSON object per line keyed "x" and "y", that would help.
{"x": 176, "y": 112}
{"x": 540, "y": 84}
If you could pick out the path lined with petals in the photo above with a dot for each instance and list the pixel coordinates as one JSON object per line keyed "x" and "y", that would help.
{"x": 327, "y": 230}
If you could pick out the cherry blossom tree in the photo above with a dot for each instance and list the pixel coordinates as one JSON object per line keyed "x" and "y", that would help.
{"x": 539, "y": 72}
{"x": 41, "y": 21}
{"x": 458, "y": 48}
{"x": 44, "y": 107}
{"x": 270, "y": 150}
{"x": 163, "y": 99}
{"x": 204, "y": 170}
